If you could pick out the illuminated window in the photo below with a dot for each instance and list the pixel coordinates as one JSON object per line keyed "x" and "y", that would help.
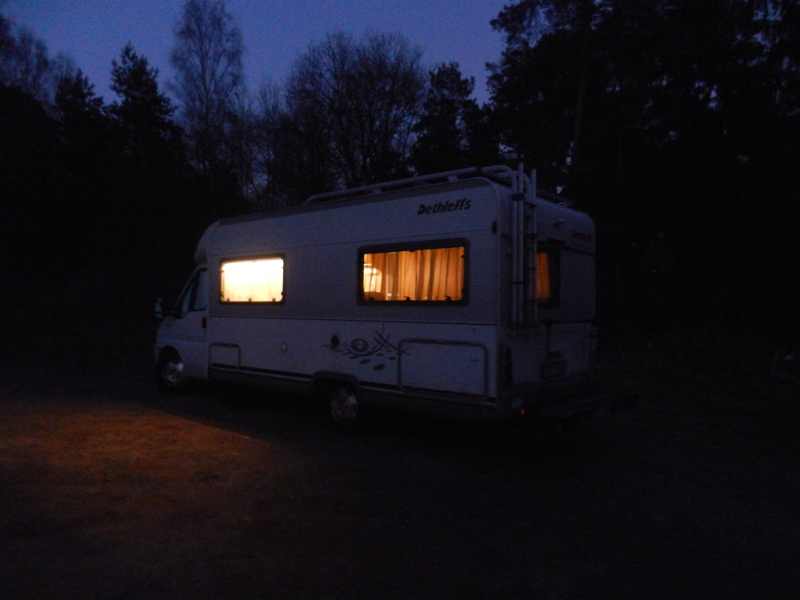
{"x": 547, "y": 277}
{"x": 544, "y": 291}
{"x": 415, "y": 274}
{"x": 259, "y": 280}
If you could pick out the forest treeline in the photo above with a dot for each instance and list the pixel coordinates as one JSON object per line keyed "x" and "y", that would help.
{"x": 674, "y": 123}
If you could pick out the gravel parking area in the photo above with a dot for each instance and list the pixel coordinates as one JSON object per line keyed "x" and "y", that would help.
{"x": 109, "y": 489}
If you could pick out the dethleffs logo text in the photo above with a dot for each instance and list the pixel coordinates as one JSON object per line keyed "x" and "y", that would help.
{"x": 442, "y": 207}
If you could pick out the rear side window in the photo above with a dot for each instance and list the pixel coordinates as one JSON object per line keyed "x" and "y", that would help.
{"x": 252, "y": 280}
{"x": 414, "y": 273}
{"x": 548, "y": 276}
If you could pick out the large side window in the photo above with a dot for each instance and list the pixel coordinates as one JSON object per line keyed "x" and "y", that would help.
{"x": 414, "y": 273}
{"x": 251, "y": 280}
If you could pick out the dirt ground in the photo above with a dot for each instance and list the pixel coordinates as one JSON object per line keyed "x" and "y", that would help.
{"x": 109, "y": 489}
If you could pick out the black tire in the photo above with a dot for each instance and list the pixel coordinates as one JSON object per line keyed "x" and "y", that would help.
{"x": 344, "y": 409}
{"x": 170, "y": 376}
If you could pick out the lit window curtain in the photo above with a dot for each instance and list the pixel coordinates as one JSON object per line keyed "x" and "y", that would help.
{"x": 407, "y": 276}
{"x": 423, "y": 275}
{"x": 378, "y": 276}
{"x": 252, "y": 281}
{"x": 444, "y": 273}
{"x": 543, "y": 290}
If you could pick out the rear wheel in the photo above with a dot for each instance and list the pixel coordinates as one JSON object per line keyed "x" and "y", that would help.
{"x": 170, "y": 374}
{"x": 344, "y": 408}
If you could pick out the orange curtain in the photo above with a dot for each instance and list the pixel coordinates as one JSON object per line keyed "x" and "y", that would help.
{"x": 429, "y": 275}
{"x": 543, "y": 289}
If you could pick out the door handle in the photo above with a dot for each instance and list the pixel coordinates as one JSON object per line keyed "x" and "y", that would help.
{"x": 203, "y": 322}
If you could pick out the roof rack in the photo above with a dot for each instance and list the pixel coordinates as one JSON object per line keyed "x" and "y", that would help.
{"x": 554, "y": 198}
{"x": 499, "y": 173}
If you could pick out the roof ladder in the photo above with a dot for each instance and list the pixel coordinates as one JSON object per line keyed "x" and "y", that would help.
{"x": 523, "y": 250}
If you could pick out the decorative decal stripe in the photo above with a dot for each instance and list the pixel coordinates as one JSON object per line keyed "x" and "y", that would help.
{"x": 266, "y": 372}
{"x": 377, "y": 355}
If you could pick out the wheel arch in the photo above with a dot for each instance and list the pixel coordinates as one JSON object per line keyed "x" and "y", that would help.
{"x": 324, "y": 380}
{"x": 168, "y": 352}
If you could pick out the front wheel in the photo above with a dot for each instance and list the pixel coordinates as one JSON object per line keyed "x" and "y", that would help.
{"x": 171, "y": 376}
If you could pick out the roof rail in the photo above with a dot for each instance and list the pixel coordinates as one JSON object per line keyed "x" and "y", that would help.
{"x": 499, "y": 173}
{"x": 555, "y": 198}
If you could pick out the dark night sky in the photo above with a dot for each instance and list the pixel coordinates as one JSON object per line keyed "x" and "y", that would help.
{"x": 93, "y": 32}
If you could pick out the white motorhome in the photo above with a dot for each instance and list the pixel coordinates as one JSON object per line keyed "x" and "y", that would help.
{"x": 463, "y": 293}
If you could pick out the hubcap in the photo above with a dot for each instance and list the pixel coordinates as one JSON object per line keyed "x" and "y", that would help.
{"x": 344, "y": 406}
{"x": 173, "y": 374}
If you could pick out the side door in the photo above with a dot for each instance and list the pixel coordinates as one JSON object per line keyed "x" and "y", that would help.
{"x": 185, "y": 329}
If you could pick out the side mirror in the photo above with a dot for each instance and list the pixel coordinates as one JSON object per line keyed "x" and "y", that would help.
{"x": 159, "y": 309}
